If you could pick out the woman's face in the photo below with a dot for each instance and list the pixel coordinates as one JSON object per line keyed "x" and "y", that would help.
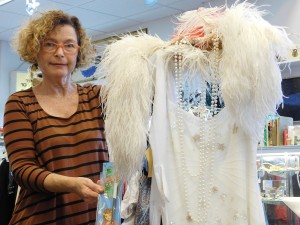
{"x": 58, "y": 53}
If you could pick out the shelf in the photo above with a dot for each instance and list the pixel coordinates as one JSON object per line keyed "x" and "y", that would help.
{"x": 273, "y": 202}
{"x": 289, "y": 61}
{"x": 278, "y": 150}
{"x": 293, "y": 56}
{"x": 278, "y": 172}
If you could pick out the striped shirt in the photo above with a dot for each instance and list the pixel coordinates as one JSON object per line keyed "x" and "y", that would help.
{"x": 39, "y": 144}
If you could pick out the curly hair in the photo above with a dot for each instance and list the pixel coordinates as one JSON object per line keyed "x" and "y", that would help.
{"x": 31, "y": 35}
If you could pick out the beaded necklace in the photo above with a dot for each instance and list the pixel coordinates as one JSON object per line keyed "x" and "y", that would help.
{"x": 204, "y": 139}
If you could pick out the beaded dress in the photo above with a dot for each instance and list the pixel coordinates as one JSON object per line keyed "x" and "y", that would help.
{"x": 204, "y": 166}
{"x": 212, "y": 184}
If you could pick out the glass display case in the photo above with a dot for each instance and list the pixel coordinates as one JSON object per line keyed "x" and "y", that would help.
{"x": 278, "y": 178}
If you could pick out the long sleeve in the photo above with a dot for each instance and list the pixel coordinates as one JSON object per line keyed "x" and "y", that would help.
{"x": 18, "y": 138}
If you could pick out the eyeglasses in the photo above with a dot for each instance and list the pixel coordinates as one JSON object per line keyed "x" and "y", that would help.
{"x": 67, "y": 48}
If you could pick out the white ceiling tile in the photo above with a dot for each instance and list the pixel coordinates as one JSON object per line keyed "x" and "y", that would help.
{"x": 120, "y": 8}
{"x": 11, "y": 20}
{"x": 16, "y": 6}
{"x": 188, "y": 5}
{"x": 116, "y": 25}
{"x": 91, "y": 18}
{"x": 19, "y": 6}
{"x": 152, "y": 14}
{"x": 72, "y": 2}
{"x": 168, "y": 2}
{"x": 47, "y": 5}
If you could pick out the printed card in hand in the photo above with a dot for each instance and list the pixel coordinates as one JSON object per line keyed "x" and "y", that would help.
{"x": 108, "y": 209}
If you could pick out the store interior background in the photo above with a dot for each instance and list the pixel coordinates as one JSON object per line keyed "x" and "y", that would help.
{"x": 106, "y": 18}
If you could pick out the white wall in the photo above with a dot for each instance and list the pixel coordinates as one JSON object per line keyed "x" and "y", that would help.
{"x": 283, "y": 13}
{"x": 9, "y": 61}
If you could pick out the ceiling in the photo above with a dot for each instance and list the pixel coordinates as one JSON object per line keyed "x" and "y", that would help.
{"x": 99, "y": 17}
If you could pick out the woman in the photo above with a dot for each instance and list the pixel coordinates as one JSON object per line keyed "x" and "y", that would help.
{"x": 54, "y": 132}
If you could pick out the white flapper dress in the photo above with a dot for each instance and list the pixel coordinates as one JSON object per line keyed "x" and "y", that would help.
{"x": 220, "y": 187}
{"x": 204, "y": 167}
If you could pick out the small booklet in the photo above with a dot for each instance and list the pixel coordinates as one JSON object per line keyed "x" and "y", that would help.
{"x": 108, "y": 208}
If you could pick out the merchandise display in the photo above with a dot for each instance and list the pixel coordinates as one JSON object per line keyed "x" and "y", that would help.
{"x": 204, "y": 166}
{"x": 278, "y": 170}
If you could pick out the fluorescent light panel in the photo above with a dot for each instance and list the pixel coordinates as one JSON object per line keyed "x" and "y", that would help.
{"x": 2, "y": 2}
{"x": 150, "y": 2}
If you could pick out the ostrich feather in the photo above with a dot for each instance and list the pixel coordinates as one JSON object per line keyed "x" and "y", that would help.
{"x": 248, "y": 71}
{"x": 249, "y": 65}
{"x": 127, "y": 99}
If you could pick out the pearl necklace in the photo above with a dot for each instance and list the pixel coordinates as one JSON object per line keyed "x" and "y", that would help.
{"x": 215, "y": 75}
{"x": 205, "y": 144}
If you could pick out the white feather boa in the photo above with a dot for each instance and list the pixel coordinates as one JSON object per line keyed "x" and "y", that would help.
{"x": 248, "y": 72}
{"x": 127, "y": 99}
{"x": 250, "y": 75}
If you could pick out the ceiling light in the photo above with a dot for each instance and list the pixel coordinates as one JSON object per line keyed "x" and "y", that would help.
{"x": 150, "y": 2}
{"x": 31, "y": 6}
{"x": 2, "y": 2}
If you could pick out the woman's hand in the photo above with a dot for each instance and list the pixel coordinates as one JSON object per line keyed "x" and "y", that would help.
{"x": 85, "y": 188}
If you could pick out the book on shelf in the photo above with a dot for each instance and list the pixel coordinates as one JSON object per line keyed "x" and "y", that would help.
{"x": 276, "y": 131}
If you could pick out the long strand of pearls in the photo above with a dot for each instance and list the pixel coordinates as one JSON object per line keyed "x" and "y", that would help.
{"x": 215, "y": 74}
{"x": 180, "y": 126}
{"x": 210, "y": 147}
{"x": 185, "y": 172}
{"x": 205, "y": 140}
{"x": 179, "y": 121}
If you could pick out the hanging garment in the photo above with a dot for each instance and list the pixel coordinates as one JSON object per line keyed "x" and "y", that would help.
{"x": 8, "y": 191}
{"x": 223, "y": 192}
{"x": 204, "y": 167}
{"x": 296, "y": 184}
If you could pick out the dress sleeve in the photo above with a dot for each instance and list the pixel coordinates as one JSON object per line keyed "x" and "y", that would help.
{"x": 19, "y": 143}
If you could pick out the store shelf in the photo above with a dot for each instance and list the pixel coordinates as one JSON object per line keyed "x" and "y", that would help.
{"x": 273, "y": 202}
{"x": 294, "y": 56}
{"x": 278, "y": 150}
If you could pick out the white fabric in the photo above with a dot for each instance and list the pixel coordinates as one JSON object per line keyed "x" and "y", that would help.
{"x": 236, "y": 199}
{"x": 293, "y": 203}
{"x": 129, "y": 201}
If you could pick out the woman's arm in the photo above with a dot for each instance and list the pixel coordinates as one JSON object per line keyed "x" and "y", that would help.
{"x": 19, "y": 143}
{"x": 18, "y": 138}
{"x": 85, "y": 188}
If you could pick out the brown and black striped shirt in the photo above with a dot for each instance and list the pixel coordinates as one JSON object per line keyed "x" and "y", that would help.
{"x": 39, "y": 144}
